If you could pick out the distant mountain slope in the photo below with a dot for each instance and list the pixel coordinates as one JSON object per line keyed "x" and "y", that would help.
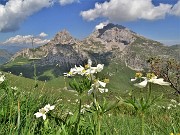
{"x": 4, "y": 56}
{"x": 12, "y": 48}
{"x": 176, "y": 49}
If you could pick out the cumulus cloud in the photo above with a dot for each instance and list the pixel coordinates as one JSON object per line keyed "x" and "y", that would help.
{"x": 14, "y": 12}
{"x": 42, "y": 34}
{"x": 176, "y": 9}
{"x": 65, "y": 2}
{"x": 101, "y": 25}
{"x": 127, "y": 10}
{"x": 24, "y": 40}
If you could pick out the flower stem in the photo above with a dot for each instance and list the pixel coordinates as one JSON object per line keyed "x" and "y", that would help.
{"x": 142, "y": 124}
{"x": 78, "y": 117}
{"x": 99, "y": 125}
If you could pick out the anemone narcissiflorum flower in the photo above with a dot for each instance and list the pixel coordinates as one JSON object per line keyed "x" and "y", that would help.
{"x": 150, "y": 78}
{"x": 42, "y": 112}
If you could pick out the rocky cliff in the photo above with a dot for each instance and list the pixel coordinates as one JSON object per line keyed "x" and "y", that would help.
{"x": 111, "y": 43}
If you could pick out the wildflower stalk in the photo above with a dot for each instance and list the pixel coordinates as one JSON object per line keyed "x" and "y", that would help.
{"x": 18, "y": 120}
{"x": 79, "y": 116}
{"x": 142, "y": 123}
{"x": 98, "y": 117}
{"x": 99, "y": 125}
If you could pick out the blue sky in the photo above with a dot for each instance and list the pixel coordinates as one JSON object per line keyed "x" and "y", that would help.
{"x": 155, "y": 19}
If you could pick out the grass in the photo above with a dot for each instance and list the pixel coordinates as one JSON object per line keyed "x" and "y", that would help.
{"x": 18, "y": 106}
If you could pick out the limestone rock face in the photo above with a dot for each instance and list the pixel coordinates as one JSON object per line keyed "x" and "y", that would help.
{"x": 111, "y": 43}
{"x": 64, "y": 38}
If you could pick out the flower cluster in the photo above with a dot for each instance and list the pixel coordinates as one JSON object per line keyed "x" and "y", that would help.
{"x": 98, "y": 85}
{"x": 88, "y": 71}
{"x": 85, "y": 107}
{"x": 151, "y": 78}
{"x": 42, "y": 112}
{"x": 173, "y": 104}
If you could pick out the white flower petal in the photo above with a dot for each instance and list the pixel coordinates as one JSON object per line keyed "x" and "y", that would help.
{"x": 44, "y": 116}
{"x": 159, "y": 81}
{"x": 102, "y": 90}
{"x": 105, "y": 90}
{"x": 141, "y": 84}
{"x": 2, "y": 78}
{"x": 52, "y": 107}
{"x": 89, "y": 62}
{"x": 100, "y": 67}
{"x": 103, "y": 84}
{"x": 38, "y": 114}
{"x": 133, "y": 79}
{"x": 90, "y": 91}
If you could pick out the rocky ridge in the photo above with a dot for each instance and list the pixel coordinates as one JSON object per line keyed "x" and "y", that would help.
{"x": 111, "y": 43}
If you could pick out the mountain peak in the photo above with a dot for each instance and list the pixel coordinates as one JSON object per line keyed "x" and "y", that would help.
{"x": 111, "y": 25}
{"x": 114, "y": 35}
{"x": 63, "y": 37}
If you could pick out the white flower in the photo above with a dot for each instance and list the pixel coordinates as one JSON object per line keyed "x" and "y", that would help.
{"x": 159, "y": 81}
{"x": 89, "y": 62}
{"x": 171, "y": 105}
{"x": 91, "y": 70}
{"x": 134, "y": 79}
{"x": 79, "y": 70}
{"x": 98, "y": 85}
{"x": 48, "y": 107}
{"x": 76, "y": 70}
{"x": 100, "y": 67}
{"x": 168, "y": 107}
{"x": 70, "y": 113}
{"x": 173, "y": 101}
{"x": 76, "y": 100}
{"x": 70, "y": 73}
{"x": 90, "y": 91}
{"x": 141, "y": 84}
{"x": 103, "y": 84}
{"x": 87, "y": 106}
{"x": 42, "y": 112}
{"x": 83, "y": 110}
{"x": 2, "y": 78}
{"x": 14, "y": 88}
{"x": 102, "y": 90}
{"x": 150, "y": 78}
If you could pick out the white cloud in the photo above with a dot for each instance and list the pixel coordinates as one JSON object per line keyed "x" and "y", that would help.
{"x": 24, "y": 40}
{"x": 16, "y": 11}
{"x": 101, "y": 25}
{"x": 65, "y": 2}
{"x": 127, "y": 10}
{"x": 176, "y": 9}
{"x": 42, "y": 34}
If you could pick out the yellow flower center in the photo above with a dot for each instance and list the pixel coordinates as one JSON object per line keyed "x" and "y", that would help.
{"x": 87, "y": 66}
{"x": 106, "y": 80}
{"x": 150, "y": 75}
{"x": 138, "y": 75}
{"x": 70, "y": 73}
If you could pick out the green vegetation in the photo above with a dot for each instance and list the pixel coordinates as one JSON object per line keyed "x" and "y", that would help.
{"x": 124, "y": 109}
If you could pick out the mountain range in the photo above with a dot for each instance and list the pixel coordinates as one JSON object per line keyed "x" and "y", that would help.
{"x": 112, "y": 43}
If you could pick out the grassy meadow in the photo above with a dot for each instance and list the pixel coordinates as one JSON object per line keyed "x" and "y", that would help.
{"x": 123, "y": 110}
